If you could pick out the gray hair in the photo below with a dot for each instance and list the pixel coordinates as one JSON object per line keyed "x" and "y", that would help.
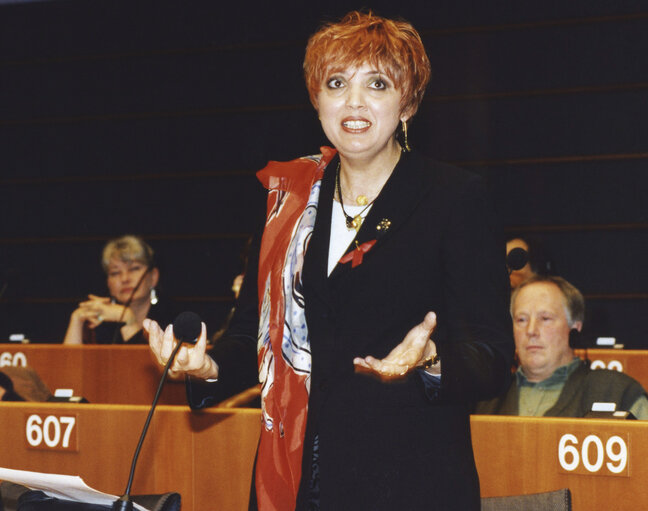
{"x": 574, "y": 301}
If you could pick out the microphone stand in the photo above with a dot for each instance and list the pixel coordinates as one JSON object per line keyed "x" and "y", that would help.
{"x": 124, "y": 503}
{"x": 128, "y": 302}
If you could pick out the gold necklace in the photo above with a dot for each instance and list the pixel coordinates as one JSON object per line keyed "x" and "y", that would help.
{"x": 361, "y": 200}
{"x": 352, "y": 222}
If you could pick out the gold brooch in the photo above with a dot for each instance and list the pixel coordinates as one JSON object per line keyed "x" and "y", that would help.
{"x": 384, "y": 224}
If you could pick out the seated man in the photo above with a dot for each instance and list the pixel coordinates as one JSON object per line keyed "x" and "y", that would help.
{"x": 551, "y": 381}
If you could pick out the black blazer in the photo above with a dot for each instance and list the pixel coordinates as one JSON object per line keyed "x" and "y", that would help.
{"x": 391, "y": 446}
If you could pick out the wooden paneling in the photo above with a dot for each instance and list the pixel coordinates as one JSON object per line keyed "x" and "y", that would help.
{"x": 101, "y": 374}
{"x": 520, "y": 455}
{"x": 208, "y": 456}
{"x": 631, "y": 362}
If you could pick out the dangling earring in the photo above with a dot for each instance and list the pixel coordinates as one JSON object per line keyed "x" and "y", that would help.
{"x": 154, "y": 298}
{"x": 406, "y": 146}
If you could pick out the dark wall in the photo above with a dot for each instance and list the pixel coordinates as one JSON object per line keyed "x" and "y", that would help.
{"x": 151, "y": 118}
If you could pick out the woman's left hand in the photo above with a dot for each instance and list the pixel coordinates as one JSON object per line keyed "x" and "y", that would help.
{"x": 412, "y": 352}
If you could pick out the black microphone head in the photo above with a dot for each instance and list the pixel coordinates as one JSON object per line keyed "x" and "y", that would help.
{"x": 187, "y": 327}
{"x": 517, "y": 258}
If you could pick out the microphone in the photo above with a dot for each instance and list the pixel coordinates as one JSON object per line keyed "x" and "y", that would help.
{"x": 517, "y": 259}
{"x": 186, "y": 329}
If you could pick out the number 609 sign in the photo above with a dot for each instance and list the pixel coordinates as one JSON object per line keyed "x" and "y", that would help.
{"x": 593, "y": 455}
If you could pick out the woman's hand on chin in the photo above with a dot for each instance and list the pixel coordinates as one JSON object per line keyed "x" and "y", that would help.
{"x": 413, "y": 351}
{"x": 190, "y": 359}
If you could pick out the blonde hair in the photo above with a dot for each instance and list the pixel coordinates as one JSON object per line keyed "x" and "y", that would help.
{"x": 127, "y": 248}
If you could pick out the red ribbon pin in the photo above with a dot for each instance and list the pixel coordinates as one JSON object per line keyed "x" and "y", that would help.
{"x": 356, "y": 255}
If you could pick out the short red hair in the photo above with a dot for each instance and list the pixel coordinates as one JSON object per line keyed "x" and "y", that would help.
{"x": 394, "y": 47}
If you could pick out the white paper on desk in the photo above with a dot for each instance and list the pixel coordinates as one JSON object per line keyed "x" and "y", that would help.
{"x": 60, "y": 486}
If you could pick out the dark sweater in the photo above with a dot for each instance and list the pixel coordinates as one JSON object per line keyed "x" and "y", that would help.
{"x": 583, "y": 388}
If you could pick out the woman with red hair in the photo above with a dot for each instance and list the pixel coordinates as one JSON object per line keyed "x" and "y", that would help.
{"x": 375, "y": 302}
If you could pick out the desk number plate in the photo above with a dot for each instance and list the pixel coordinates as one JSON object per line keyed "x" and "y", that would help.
{"x": 51, "y": 432}
{"x": 601, "y": 454}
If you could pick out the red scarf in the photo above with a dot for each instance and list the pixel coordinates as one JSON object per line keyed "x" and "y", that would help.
{"x": 283, "y": 344}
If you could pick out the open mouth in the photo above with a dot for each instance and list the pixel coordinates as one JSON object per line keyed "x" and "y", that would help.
{"x": 356, "y": 125}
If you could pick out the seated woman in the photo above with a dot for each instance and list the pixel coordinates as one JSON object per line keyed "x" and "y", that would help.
{"x": 131, "y": 279}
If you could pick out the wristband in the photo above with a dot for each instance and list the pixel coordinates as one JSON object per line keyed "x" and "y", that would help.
{"x": 431, "y": 361}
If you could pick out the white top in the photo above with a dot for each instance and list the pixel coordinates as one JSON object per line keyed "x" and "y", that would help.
{"x": 341, "y": 237}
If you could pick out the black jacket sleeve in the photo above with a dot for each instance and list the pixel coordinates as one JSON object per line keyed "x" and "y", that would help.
{"x": 474, "y": 338}
{"x": 236, "y": 351}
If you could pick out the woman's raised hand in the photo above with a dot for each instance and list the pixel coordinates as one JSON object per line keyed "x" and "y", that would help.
{"x": 415, "y": 349}
{"x": 191, "y": 359}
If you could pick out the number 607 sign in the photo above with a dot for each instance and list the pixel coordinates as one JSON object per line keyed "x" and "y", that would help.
{"x": 593, "y": 455}
{"x": 53, "y": 432}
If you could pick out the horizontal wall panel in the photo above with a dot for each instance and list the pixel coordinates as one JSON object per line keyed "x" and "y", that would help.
{"x": 581, "y": 193}
{"x": 534, "y": 127}
{"x": 64, "y": 29}
{"x": 517, "y": 61}
{"x": 227, "y": 205}
{"x": 462, "y": 63}
{"x": 470, "y": 130}
{"x": 244, "y": 141}
{"x": 198, "y": 268}
{"x": 156, "y": 83}
{"x": 71, "y": 271}
{"x": 60, "y": 29}
{"x": 599, "y": 262}
{"x": 617, "y": 318}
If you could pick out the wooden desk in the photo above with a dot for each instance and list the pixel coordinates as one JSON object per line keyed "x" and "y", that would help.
{"x": 517, "y": 455}
{"x": 206, "y": 457}
{"x": 632, "y": 362}
{"x": 101, "y": 374}
{"x": 128, "y": 374}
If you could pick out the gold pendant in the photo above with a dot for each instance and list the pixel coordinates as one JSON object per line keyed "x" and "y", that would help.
{"x": 354, "y": 223}
{"x": 357, "y": 222}
{"x": 361, "y": 200}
